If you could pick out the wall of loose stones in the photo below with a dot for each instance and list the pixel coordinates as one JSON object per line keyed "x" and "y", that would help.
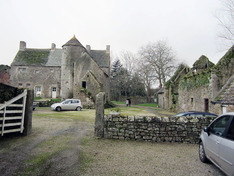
{"x": 155, "y": 129}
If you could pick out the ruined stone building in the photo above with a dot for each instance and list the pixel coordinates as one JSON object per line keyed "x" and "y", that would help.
{"x": 204, "y": 87}
{"x": 71, "y": 72}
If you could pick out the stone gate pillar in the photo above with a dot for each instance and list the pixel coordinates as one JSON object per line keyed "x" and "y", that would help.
{"x": 28, "y": 113}
{"x": 99, "y": 119}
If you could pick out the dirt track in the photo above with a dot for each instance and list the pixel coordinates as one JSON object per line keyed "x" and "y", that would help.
{"x": 51, "y": 149}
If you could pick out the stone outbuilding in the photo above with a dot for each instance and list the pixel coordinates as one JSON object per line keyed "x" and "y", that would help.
{"x": 5, "y": 74}
{"x": 206, "y": 87}
{"x": 74, "y": 71}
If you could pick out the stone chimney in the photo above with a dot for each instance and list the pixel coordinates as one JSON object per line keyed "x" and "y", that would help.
{"x": 22, "y": 45}
{"x": 53, "y": 46}
{"x": 88, "y": 48}
{"x": 107, "y": 48}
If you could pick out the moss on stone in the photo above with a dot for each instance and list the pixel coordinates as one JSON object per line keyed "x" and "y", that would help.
{"x": 37, "y": 57}
{"x": 224, "y": 62}
{"x": 203, "y": 63}
{"x": 195, "y": 80}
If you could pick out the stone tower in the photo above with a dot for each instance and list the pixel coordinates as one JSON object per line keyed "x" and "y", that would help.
{"x": 72, "y": 51}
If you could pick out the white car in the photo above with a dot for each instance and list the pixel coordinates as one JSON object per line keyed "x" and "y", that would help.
{"x": 68, "y": 104}
{"x": 217, "y": 143}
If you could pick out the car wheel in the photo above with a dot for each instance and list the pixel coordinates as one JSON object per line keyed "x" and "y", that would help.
{"x": 58, "y": 109}
{"x": 202, "y": 154}
{"x": 78, "y": 108}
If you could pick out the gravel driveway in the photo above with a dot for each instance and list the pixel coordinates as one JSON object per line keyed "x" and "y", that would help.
{"x": 64, "y": 145}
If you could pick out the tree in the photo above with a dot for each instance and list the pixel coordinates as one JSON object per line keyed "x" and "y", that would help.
{"x": 123, "y": 83}
{"x": 226, "y": 21}
{"x": 146, "y": 76}
{"x": 160, "y": 58}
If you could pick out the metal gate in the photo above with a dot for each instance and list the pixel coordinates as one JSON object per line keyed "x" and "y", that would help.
{"x": 12, "y": 114}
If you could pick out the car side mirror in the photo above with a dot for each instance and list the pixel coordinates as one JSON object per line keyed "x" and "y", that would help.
{"x": 207, "y": 130}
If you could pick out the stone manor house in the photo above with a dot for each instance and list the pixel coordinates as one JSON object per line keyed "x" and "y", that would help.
{"x": 74, "y": 71}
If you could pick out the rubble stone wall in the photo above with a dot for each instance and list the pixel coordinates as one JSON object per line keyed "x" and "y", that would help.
{"x": 155, "y": 129}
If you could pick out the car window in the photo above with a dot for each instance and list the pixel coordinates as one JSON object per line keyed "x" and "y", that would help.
{"x": 218, "y": 127}
{"x": 75, "y": 101}
{"x": 230, "y": 133}
{"x": 67, "y": 102}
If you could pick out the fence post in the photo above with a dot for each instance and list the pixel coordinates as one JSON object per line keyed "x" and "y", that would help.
{"x": 28, "y": 113}
{"x": 99, "y": 120}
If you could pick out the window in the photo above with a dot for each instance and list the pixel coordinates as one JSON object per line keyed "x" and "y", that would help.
{"x": 230, "y": 133}
{"x": 191, "y": 100}
{"x": 20, "y": 85}
{"x": 75, "y": 101}
{"x": 54, "y": 89}
{"x": 218, "y": 127}
{"x": 37, "y": 71}
{"x": 28, "y": 85}
{"x": 22, "y": 69}
{"x": 51, "y": 70}
{"x": 84, "y": 84}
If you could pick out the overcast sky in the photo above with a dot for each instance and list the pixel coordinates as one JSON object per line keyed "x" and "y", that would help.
{"x": 189, "y": 26}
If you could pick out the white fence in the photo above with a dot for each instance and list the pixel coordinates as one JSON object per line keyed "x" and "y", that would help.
{"x": 12, "y": 115}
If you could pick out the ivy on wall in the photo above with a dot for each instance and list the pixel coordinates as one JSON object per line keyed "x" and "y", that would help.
{"x": 195, "y": 81}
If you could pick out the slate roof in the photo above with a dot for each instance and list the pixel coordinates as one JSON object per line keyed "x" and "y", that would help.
{"x": 32, "y": 57}
{"x": 73, "y": 42}
{"x": 100, "y": 57}
{"x": 161, "y": 91}
{"x": 49, "y": 57}
{"x": 226, "y": 95}
{"x": 55, "y": 57}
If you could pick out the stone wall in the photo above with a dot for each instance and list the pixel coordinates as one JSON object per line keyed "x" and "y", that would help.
{"x": 155, "y": 129}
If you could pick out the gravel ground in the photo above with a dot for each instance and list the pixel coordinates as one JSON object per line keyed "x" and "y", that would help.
{"x": 113, "y": 157}
{"x": 63, "y": 144}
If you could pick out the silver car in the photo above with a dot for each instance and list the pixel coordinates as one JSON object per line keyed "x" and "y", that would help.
{"x": 68, "y": 104}
{"x": 217, "y": 143}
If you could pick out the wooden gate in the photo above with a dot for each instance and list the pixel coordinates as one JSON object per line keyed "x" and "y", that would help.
{"x": 12, "y": 114}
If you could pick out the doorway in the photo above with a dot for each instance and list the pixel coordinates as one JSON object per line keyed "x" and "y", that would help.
{"x": 206, "y": 105}
{"x": 53, "y": 92}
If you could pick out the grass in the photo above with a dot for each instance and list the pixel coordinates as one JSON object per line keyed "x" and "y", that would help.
{"x": 130, "y": 111}
{"x": 118, "y": 102}
{"x": 37, "y": 98}
{"x": 86, "y": 115}
{"x": 149, "y": 105}
{"x": 44, "y": 151}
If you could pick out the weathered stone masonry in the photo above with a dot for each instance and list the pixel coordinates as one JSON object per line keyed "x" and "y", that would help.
{"x": 155, "y": 129}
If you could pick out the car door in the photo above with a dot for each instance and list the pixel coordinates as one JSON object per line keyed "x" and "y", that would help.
{"x": 226, "y": 150}
{"x": 74, "y": 104}
{"x": 213, "y": 141}
{"x": 66, "y": 105}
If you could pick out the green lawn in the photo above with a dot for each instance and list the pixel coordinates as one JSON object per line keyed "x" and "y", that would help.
{"x": 118, "y": 102}
{"x": 86, "y": 115}
{"x": 149, "y": 105}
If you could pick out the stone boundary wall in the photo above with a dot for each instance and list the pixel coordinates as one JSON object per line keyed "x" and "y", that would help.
{"x": 155, "y": 129}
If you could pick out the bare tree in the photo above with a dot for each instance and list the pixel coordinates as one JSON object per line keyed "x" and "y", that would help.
{"x": 161, "y": 59}
{"x": 130, "y": 62}
{"x": 226, "y": 20}
{"x": 147, "y": 77}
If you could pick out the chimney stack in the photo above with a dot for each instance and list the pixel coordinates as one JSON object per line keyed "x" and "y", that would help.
{"x": 107, "y": 48}
{"x": 88, "y": 48}
{"x": 53, "y": 46}
{"x": 22, "y": 45}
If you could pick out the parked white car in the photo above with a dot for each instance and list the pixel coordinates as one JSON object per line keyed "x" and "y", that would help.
{"x": 68, "y": 104}
{"x": 217, "y": 143}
